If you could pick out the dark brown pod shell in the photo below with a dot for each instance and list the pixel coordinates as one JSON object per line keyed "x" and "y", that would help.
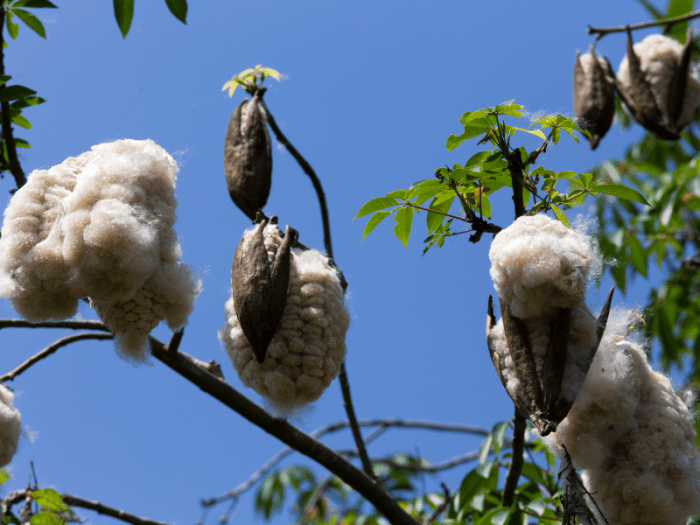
{"x": 539, "y": 398}
{"x": 248, "y": 157}
{"x": 594, "y": 95}
{"x": 260, "y": 287}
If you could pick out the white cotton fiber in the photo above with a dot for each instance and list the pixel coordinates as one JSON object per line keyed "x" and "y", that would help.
{"x": 658, "y": 57}
{"x": 634, "y": 438}
{"x": 538, "y": 264}
{"x": 10, "y": 426}
{"x": 99, "y": 226}
{"x": 309, "y": 346}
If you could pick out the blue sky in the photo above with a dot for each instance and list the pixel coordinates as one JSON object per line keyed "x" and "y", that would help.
{"x": 370, "y": 94}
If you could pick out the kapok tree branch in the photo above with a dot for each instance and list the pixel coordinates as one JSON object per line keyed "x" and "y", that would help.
{"x": 12, "y": 161}
{"x": 187, "y": 367}
{"x": 516, "y": 462}
{"x": 343, "y": 376}
{"x": 441, "y": 508}
{"x": 602, "y": 31}
{"x": 53, "y": 347}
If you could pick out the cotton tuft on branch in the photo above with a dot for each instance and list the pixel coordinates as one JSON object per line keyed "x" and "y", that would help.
{"x": 308, "y": 347}
{"x": 634, "y": 438}
{"x": 101, "y": 226}
{"x": 10, "y": 426}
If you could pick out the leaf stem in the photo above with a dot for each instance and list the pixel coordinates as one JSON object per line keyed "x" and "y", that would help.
{"x": 602, "y": 31}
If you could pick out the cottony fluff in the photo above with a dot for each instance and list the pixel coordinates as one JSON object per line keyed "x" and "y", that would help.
{"x": 658, "y": 57}
{"x": 634, "y": 438}
{"x": 9, "y": 426}
{"x": 101, "y": 226}
{"x": 306, "y": 353}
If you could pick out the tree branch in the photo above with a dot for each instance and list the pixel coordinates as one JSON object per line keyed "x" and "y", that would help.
{"x": 441, "y": 508}
{"x": 75, "y": 501}
{"x": 72, "y": 325}
{"x": 186, "y": 366}
{"x": 602, "y": 31}
{"x": 344, "y": 383}
{"x": 516, "y": 462}
{"x": 46, "y": 352}
{"x": 12, "y": 161}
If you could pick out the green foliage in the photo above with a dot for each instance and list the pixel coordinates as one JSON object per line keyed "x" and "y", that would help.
{"x": 18, "y": 9}
{"x": 251, "y": 79}
{"x": 124, "y": 12}
{"x": 471, "y": 185}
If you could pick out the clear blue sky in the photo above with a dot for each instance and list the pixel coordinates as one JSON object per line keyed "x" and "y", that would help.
{"x": 371, "y": 92}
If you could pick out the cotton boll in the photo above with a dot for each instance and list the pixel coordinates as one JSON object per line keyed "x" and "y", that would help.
{"x": 309, "y": 346}
{"x": 10, "y": 426}
{"x": 635, "y": 439}
{"x": 659, "y": 56}
{"x": 538, "y": 264}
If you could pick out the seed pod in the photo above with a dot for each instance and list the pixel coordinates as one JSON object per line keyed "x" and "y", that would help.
{"x": 248, "y": 157}
{"x": 260, "y": 287}
{"x": 658, "y": 85}
{"x": 594, "y": 95}
{"x": 308, "y": 347}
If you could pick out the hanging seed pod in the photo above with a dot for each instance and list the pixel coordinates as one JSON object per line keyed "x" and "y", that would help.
{"x": 594, "y": 95}
{"x": 260, "y": 287}
{"x": 308, "y": 346}
{"x": 658, "y": 84}
{"x": 248, "y": 157}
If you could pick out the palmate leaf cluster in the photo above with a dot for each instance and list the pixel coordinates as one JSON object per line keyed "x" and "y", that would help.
{"x": 471, "y": 185}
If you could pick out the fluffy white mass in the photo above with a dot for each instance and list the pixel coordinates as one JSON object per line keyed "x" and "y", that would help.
{"x": 101, "y": 226}
{"x": 10, "y": 426}
{"x": 538, "y": 264}
{"x": 309, "y": 346}
{"x": 634, "y": 438}
{"x": 658, "y": 57}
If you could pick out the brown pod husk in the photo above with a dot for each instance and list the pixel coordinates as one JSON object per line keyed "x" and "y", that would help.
{"x": 594, "y": 95}
{"x": 248, "y": 157}
{"x": 658, "y": 84}
{"x": 540, "y": 396}
{"x": 260, "y": 287}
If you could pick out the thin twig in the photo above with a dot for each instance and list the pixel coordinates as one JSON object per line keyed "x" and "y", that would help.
{"x": 186, "y": 366}
{"x": 516, "y": 462}
{"x": 441, "y": 508}
{"x": 334, "y": 427}
{"x": 50, "y": 350}
{"x": 72, "y": 325}
{"x": 343, "y": 376}
{"x": 602, "y": 31}
{"x": 412, "y": 205}
{"x": 98, "y": 507}
{"x": 7, "y": 137}
{"x": 308, "y": 511}
{"x": 445, "y": 465}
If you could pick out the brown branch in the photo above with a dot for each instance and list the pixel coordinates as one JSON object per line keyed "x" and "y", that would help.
{"x": 602, "y": 31}
{"x": 72, "y": 325}
{"x": 445, "y": 465}
{"x": 12, "y": 161}
{"x": 516, "y": 462}
{"x": 186, "y": 366}
{"x": 343, "y": 376}
{"x": 441, "y": 508}
{"x": 10, "y": 376}
{"x": 75, "y": 501}
{"x": 515, "y": 167}
{"x": 334, "y": 427}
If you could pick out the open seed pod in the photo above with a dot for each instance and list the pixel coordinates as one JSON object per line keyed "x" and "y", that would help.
{"x": 659, "y": 85}
{"x": 248, "y": 157}
{"x": 260, "y": 287}
{"x": 544, "y": 394}
{"x": 594, "y": 95}
{"x": 306, "y": 346}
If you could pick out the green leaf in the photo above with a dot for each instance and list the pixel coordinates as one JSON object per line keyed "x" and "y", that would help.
{"x": 21, "y": 143}
{"x": 484, "y": 205}
{"x": 375, "y": 205}
{"x": 653, "y": 11}
{"x": 535, "y": 132}
{"x": 498, "y": 433}
{"x": 679, "y": 8}
{"x": 178, "y": 8}
{"x": 49, "y": 499}
{"x": 471, "y": 129}
{"x": 397, "y": 194}
{"x": 124, "y": 13}
{"x": 484, "y": 449}
{"x": 33, "y": 3}
{"x": 538, "y": 506}
{"x": 4, "y": 79}
{"x": 12, "y": 28}
{"x": 373, "y": 221}
{"x": 4, "y": 476}
{"x": 435, "y": 219}
{"x": 8, "y": 93}
{"x": 470, "y": 487}
{"x": 402, "y": 229}
{"x": 560, "y": 216}
{"x": 32, "y": 22}
{"x": 21, "y": 121}
{"x": 637, "y": 254}
{"x": 621, "y": 192}
{"x": 484, "y": 470}
{"x": 533, "y": 473}
{"x": 46, "y": 518}
{"x": 477, "y": 159}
